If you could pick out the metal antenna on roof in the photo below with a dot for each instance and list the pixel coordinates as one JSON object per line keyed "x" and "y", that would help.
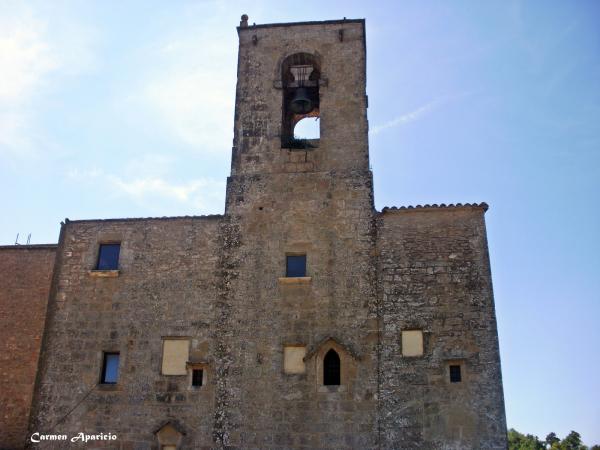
{"x": 28, "y": 238}
{"x": 17, "y": 239}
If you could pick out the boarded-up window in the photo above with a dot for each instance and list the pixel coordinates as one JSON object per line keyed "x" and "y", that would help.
{"x": 175, "y": 356}
{"x": 293, "y": 359}
{"x": 412, "y": 343}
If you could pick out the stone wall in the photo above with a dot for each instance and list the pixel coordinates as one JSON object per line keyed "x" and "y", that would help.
{"x": 435, "y": 276}
{"x": 220, "y": 282}
{"x": 25, "y": 273}
{"x": 165, "y": 288}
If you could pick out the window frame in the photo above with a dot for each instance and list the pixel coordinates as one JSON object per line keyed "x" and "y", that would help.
{"x": 99, "y": 254}
{"x": 287, "y": 265}
{"x": 103, "y": 372}
{"x": 453, "y": 373}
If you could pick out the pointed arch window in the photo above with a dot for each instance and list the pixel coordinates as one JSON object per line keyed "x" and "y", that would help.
{"x": 331, "y": 369}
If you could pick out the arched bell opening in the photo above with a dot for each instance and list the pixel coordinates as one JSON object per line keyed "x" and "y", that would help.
{"x": 300, "y": 74}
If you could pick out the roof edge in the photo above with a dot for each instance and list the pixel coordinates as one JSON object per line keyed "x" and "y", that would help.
{"x": 293, "y": 24}
{"x": 28, "y": 246}
{"x": 435, "y": 206}
{"x": 141, "y": 219}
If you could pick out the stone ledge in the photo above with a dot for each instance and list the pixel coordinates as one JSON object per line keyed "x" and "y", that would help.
{"x": 104, "y": 273}
{"x": 109, "y": 387}
{"x": 295, "y": 280}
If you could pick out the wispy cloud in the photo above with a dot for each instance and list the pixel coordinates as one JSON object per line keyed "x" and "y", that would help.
{"x": 201, "y": 194}
{"x": 25, "y": 56}
{"x": 189, "y": 89}
{"x": 32, "y": 49}
{"x": 405, "y": 118}
{"x": 418, "y": 113}
{"x": 26, "y": 59}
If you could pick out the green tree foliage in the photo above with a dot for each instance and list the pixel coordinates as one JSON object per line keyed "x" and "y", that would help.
{"x": 552, "y": 439}
{"x": 520, "y": 441}
{"x": 572, "y": 441}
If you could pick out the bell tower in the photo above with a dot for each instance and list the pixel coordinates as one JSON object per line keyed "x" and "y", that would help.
{"x": 290, "y": 72}
{"x": 297, "y": 240}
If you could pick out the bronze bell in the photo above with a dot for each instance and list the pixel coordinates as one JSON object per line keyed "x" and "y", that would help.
{"x": 301, "y": 102}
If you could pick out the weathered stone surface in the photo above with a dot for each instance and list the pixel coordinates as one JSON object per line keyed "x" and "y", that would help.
{"x": 25, "y": 272}
{"x": 220, "y": 282}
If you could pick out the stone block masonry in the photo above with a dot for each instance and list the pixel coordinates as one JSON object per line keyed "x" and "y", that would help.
{"x": 25, "y": 275}
{"x": 213, "y": 344}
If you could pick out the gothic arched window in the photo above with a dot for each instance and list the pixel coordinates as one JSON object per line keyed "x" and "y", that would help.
{"x": 331, "y": 369}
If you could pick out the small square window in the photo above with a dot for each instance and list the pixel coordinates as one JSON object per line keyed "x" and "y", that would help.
{"x": 108, "y": 257}
{"x": 455, "y": 375}
{"x": 197, "y": 375}
{"x": 110, "y": 368}
{"x": 295, "y": 266}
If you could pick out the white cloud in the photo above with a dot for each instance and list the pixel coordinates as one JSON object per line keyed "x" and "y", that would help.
{"x": 202, "y": 194}
{"x": 34, "y": 45}
{"x": 25, "y": 56}
{"x": 405, "y": 118}
{"x": 418, "y": 113}
{"x": 196, "y": 106}
{"x": 189, "y": 87}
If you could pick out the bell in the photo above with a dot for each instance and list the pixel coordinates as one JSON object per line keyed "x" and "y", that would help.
{"x": 301, "y": 103}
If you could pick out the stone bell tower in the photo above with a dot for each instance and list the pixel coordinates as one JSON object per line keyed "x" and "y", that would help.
{"x": 289, "y": 72}
{"x": 305, "y": 198}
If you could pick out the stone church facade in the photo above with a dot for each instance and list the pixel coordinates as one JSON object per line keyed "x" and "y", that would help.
{"x": 301, "y": 317}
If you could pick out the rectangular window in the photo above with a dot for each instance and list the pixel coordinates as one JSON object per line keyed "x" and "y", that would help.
{"x": 197, "y": 375}
{"x": 295, "y": 266}
{"x": 455, "y": 376}
{"x": 108, "y": 257}
{"x": 175, "y": 356}
{"x": 110, "y": 368}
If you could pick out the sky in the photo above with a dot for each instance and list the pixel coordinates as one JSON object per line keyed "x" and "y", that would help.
{"x": 125, "y": 109}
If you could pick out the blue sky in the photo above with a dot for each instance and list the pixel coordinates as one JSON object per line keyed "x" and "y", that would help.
{"x": 125, "y": 109}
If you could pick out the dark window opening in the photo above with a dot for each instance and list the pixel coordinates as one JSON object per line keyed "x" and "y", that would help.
{"x": 197, "y": 375}
{"x": 295, "y": 266}
{"x": 331, "y": 369}
{"x": 108, "y": 257}
{"x": 455, "y": 376}
{"x": 110, "y": 368}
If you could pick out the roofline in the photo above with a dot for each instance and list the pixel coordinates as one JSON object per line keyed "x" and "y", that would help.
{"x": 141, "y": 219}
{"x": 293, "y": 24}
{"x": 28, "y": 246}
{"x": 436, "y": 207}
